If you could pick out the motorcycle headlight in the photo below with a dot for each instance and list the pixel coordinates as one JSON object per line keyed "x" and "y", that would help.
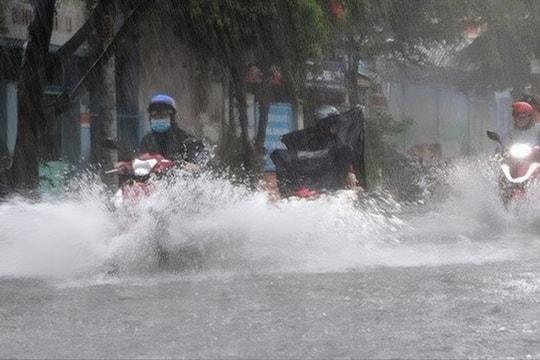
{"x": 143, "y": 167}
{"x": 520, "y": 151}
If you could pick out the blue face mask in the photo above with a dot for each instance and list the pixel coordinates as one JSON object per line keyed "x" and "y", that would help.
{"x": 160, "y": 125}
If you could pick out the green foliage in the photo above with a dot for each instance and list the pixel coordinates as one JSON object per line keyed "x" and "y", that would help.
{"x": 232, "y": 35}
{"x": 394, "y": 27}
{"x": 302, "y": 30}
{"x": 499, "y": 58}
{"x": 306, "y": 31}
{"x": 379, "y": 128}
{"x": 268, "y": 31}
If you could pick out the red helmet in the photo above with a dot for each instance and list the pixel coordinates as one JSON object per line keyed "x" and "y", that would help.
{"x": 521, "y": 108}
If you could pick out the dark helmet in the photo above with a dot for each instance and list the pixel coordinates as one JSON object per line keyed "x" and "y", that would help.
{"x": 162, "y": 103}
{"x": 326, "y": 117}
{"x": 324, "y": 112}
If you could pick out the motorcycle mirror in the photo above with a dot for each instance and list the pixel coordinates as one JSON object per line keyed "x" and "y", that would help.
{"x": 494, "y": 136}
{"x": 125, "y": 151}
{"x": 111, "y": 143}
{"x": 192, "y": 144}
{"x": 193, "y": 148}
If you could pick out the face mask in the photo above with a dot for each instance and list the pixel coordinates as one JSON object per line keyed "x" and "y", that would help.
{"x": 160, "y": 125}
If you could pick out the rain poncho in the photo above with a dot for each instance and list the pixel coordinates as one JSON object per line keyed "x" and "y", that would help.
{"x": 321, "y": 161}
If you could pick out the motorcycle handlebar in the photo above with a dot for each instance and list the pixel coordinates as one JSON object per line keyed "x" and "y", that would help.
{"x": 125, "y": 167}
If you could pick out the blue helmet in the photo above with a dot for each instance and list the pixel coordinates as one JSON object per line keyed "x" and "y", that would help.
{"x": 162, "y": 103}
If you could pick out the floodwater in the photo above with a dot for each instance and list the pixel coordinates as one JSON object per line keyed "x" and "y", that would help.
{"x": 454, "y": 276}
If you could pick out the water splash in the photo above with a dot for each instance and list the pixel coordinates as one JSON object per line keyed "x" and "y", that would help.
{"x": 470, "y": 224}
{"x": 228, "y": 228}
{"x": 52, "y": 238}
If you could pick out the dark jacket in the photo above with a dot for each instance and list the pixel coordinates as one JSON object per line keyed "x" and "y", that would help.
{"x": 317, "y": 159}
{"x": 324, "y": 165}
{"x": 175, "y": 144}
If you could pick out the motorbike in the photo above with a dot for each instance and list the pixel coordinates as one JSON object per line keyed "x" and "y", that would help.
{"x": 137, "y": 174}
{"x": 138, "y": 180}
{"x": 311, "y": 166}
{"x": 519, "y": 165}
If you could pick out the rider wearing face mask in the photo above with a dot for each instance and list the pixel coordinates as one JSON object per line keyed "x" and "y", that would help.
{"x": 525, "y": 129}
{"x": 166, "y": 137}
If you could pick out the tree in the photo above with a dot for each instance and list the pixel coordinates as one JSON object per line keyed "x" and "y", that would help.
{"x": 38, "y": 65}
{"x": 32, "y": 120}
{"x": 230, "y": 35}
{"x": 499, "y": 57}
{"x": 101, "y": 75}
{"x": 287, "y": 33}
{"x": 394, "y": 31}
{"x": 368, "y": 30}
{"x": 268, "y": 34}
{"x": 499, "y": 54}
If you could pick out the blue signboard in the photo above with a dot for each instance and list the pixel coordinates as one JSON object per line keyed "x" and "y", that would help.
{"x": 280, "y": 121}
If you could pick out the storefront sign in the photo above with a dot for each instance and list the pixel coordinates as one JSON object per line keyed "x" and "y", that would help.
{"x": 328, "y": 75}
{"x": 280, "y": 121}
{"x": 68, "y": 19}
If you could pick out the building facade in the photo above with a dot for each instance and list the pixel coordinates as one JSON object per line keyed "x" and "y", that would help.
{"x": 69, "y": 17}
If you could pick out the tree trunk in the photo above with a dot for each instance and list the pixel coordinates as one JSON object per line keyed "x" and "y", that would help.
{"x": 140, "y": 7}
{"x": 31, "y": 117}
{"x": 264, "y": 100}
{"x": 103, "y": 101}
{"x": 241, "y": 103}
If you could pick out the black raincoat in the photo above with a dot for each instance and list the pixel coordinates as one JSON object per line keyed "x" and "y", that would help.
{"x": 318, "y": 160}
{"x": 174, "y": 144}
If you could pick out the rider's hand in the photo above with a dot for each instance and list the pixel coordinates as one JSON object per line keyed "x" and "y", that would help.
{"x": 499, "y": 156}
{"x": 190, "y": 167}
{"x": 122, "y": 166}
{"x": 351, "y": 182}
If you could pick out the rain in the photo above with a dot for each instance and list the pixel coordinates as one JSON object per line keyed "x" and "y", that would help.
{"x": 404, "y": 238}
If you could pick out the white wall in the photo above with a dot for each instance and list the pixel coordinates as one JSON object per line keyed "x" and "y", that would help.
{"x": 167, "y": 66}
{"x": 453, "y": 114}
{"x": 446, "y": 116}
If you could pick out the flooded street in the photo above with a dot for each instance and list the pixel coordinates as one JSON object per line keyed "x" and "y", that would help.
{"x": 331, "y": 278}
{"x": 453, "y": 311}
{"x": 173, "y": 175}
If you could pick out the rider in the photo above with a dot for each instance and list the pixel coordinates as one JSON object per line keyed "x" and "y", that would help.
{"x": 534, "y": 101}
{"x": 327, "y": 121}
{"x": 525, "y": 129}
{"x": 166, "y": 137}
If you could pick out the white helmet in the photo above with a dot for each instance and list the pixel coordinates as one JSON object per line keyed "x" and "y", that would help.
{"x": 324, "y": 112}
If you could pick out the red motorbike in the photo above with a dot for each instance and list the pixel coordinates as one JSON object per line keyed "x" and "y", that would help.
{"x": 138, "y": 179}
{"x": 138, "y": 172}
{"x": 520, "y": 166}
